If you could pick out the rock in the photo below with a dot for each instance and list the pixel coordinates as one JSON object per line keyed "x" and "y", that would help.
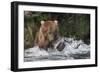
{"x": 60, "y": 46}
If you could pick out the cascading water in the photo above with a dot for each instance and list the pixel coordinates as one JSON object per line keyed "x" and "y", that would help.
{"x": 74, "y": 49}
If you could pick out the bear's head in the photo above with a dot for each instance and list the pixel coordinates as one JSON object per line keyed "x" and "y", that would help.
{"x": 49, "y": 29}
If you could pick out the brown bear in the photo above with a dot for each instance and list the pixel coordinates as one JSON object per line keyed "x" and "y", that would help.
{"x": 47, "y": 33}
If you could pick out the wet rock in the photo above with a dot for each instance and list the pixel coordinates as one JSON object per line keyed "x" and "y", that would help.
{"x": 77, "y": 46}
{"x": 61, "y": 46}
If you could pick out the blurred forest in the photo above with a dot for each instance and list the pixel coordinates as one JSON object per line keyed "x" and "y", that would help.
{"x": 70, "y": 25}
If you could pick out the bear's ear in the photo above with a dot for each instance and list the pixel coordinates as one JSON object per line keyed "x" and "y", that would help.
{"x": 56, "y": 22}
{"x": 42, "y": 22}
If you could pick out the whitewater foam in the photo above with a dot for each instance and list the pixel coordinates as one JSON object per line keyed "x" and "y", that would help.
{"x": 74, "y": 49}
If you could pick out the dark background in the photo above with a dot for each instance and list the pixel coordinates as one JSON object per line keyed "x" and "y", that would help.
{"x": 70, "y": 25}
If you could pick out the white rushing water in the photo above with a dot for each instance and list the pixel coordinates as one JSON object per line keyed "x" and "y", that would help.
{"x": 74, "y": 49}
